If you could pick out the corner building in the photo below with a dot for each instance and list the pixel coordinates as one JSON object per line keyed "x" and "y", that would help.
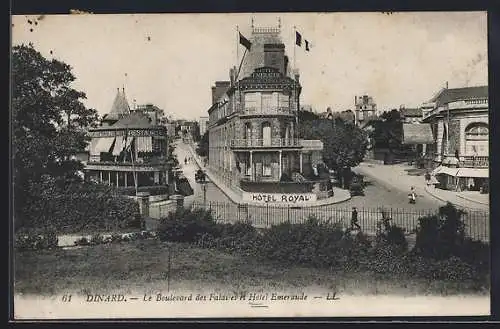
{"x": 253, "y": 122}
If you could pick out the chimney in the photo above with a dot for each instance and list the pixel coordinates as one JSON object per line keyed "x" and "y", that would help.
{"x": 213, "y": 95}
{"x": 446, "y": 85}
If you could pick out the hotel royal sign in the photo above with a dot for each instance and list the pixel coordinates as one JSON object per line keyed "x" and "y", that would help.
{"x": 279, "y": 198}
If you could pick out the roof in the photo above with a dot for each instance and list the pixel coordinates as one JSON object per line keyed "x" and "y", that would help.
{"x": 119, "y": 108}
{"x": 411, "y": 112}
{"x": 459, "y": 94}
{"x": 134, "y": 120}
{"x": 417, "y": 133}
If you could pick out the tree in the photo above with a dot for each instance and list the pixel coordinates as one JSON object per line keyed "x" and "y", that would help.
{"x": 388, "y": 131}
{"x": 195, "y": 132}
{"x": 344, "y": 144}
{"x": 203, "y": 145}
{"x": 48, "y": 123}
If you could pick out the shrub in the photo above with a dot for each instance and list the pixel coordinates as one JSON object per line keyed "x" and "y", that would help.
{"x": 187, "y": 225}
{"x": 36, "y": 239}
{"x": 441, "y": 236}
{"x": 82, "y": 242}
{"x": 96, "y": 239}
{"x": 393, "y": 235}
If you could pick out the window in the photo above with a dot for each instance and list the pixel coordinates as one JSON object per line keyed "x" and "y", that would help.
{"x": 252, "y": 102}
{"x": 477, "y": 139}
{"x": 266, "y": 167}
{"x": 267, "y": 102}
{"x": 266, "y": 133}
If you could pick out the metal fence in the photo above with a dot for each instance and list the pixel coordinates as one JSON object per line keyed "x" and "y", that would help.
{"x": 476, "y": 222}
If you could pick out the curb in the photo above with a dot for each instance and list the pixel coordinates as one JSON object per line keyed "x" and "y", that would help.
{"x": 474, "y": 201}
{"x": 223, "y": 189}
{"x": 427, "y": 189}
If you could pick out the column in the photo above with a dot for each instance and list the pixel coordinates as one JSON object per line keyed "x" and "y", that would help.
{"x": 251, "y": 166}
{"x": 281, "y": 164}
{"x": 109, "y": 178}
{"x": 125, "y": 178}
{"x": 300, "y": 162}
{"x": 117, "y": 180}
{"x": 100, "y": 177}
{"x": 156, "y": 177}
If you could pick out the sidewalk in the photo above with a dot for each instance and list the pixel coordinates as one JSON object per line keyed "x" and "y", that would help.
{"x": 340, "y": 195}
{"x": 396, "y": 176}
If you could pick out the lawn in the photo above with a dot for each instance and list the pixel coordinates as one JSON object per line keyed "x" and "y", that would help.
{"x": 142, "y": 266}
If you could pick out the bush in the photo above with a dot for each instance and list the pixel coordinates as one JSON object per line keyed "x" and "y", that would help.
{"x": 82, "y": 242}
{"x": 442, "y": 235}
{"x": 36, "y": 239}
{"x": 187, "y": 225}
{"x": 96, "y": 239}
{"x": 393, "y": 235}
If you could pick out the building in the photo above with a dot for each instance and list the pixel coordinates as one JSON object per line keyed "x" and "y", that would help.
{"x": 202, "y": 122}
{"x": 154, "y": 112}
{"x": 365, "y": 108}
{"x": 129, "y": 149}
{"x": 411, "y": 115}
{"x": 253, "y": 133}
{"x": 346, "y": 116}
{"x": 459, "y": 123}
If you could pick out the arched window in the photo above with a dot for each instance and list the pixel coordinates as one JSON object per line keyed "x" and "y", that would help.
{"x": 477, "y": 139}
{"x": 266, "y": 133}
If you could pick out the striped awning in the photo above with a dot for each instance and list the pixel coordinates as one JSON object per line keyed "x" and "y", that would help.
{"x": 101, "y": 145}
{"x": 445, "y": 170}
{"x": 144, "y": 144}
{"x": 473, "y": 172}
{"x": 119, "y": 145}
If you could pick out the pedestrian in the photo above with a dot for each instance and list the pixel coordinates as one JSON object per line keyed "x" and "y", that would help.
{"x": 185, "y": 161}
{"x": 354, "y": 219}
{"x": 412, "y": 195}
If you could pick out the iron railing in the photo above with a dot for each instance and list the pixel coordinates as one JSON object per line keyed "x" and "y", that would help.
{"x": 259, "y": 142}
{"x": 476, "y": 222}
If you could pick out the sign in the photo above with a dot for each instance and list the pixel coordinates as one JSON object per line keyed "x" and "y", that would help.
{"x": 279, "y": 198}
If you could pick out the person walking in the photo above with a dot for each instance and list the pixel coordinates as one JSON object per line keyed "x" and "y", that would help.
{"x": 412, "y": 195}
{"x": 354, "y": 219}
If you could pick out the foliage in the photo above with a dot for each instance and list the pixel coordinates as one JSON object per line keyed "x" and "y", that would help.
{"x": 344, "y": 143}
{"x": 356, "y": 188}
{"x": 81, "y": 206}
{"x": 195, "y": 132}
{"x": 441, "y": 235}
{"x": 187, "y": 225}
{"x": 35, "y": 239}
{"x": 203, "y": 145}
{"x": 48, "y": 126}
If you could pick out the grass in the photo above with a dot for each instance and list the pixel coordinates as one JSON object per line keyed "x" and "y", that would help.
{"x": 142, "y": 266}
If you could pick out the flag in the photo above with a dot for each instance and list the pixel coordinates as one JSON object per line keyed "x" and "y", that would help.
{"x": 298, "y": 39}
{"x": 308, "y": 45}
{"x": 245, "y": 42}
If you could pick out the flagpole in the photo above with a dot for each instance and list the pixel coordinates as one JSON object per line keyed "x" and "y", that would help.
{"x": 237, "y": 44}
{"x": 294, "y": 46}
{"x": 239, "y": 68}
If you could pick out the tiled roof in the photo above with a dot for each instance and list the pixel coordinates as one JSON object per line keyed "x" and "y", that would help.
{"x": 417, "y": 133}
{"x": 134, "y": 120}
{"x": 119, "y": 108}
{"x": 411, "y": 112}
{"x": 459, "y": 94}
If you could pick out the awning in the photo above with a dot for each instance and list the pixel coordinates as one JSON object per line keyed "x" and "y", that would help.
{"x": 417, "y": 133}
{"x": 102, "y": 145}
{"x": 144, "y": 144}
{"x": 445, "y": 170}
{"x": 119, "y": 144}
{"x": 473, "y": 172}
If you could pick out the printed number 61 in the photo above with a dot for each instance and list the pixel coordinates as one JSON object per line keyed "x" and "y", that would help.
{"x": 66, "y": 298}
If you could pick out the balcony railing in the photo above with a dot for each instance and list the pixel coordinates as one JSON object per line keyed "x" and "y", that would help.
{"x": 259, "y": 142}
{"x": 274, "y": 110}
{"x": 474, "y": 161}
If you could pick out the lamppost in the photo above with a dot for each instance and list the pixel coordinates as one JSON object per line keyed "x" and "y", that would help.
{"x": 200, "y": 178}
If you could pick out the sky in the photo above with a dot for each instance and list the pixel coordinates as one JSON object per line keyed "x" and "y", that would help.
{"x": 172, "y": 60}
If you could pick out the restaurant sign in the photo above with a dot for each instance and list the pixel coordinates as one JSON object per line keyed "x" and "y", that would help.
{"x": 279, "y": 198}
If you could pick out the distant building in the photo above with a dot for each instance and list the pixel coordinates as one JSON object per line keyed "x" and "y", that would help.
{"x": 306, "y": 108}
{"x": 346, "y": 116}
{"x": 411, "y": 115}
{"x": 365, "y": 108}
{"x": 128, "y": 149}
{"x": 156, "y": 114}
{"x": 203, "y": 122}
{"x": 459, "y": 123}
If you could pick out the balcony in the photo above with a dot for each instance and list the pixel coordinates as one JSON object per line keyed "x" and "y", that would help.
{"x": 469, "y": 161}
{"x": 125, "y": 166}
{"x": 282, "y": 110}
{"x": 263, "y": 143}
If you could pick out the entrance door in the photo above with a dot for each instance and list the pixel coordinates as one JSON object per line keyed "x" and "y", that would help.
{"x": 266, "y": 134}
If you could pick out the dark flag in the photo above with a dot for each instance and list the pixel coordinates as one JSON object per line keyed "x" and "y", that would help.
{"x": 245, "y": 42}
{"x": 298, "y": 39}
{"x": 307, "y": 45}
